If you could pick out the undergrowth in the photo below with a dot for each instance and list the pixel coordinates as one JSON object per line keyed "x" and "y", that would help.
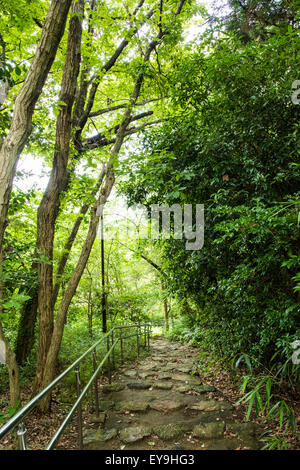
{"x": 270, "y": 391}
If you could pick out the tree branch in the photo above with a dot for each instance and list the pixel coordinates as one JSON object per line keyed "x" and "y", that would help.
{"x": 122, "y": 106}
{"x": 37, "y": 22}
{"x": 150, "y": 261}
{"x": 104, "y": 141}
{"x": 107, "y": 66}
{"x": 100, "y": 136}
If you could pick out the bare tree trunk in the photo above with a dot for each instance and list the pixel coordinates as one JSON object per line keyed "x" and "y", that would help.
{"x": 29, "y": 314}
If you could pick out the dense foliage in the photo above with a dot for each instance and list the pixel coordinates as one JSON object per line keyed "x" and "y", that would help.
{"x": 142, "y": 98}
{"x": 234, "y": 147}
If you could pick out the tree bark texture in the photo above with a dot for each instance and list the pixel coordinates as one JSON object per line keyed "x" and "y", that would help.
{"x": 49, "y": 206}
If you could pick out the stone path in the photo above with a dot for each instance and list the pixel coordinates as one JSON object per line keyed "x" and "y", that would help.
{"x": 159, "y": 404}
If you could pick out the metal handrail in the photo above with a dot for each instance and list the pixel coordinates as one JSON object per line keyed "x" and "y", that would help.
{"x": 78, "y": 401}
{"x": 18, "y": 418}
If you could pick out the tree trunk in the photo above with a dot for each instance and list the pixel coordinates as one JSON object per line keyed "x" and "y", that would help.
{"x": 49, "y": 206}
{"x": 90, "y": 314}
{"x": 166, "y": 309}
{"x": 13, "y": 372}
{"x": 25, "y": 338}
{"x": 10, "y": 358}
{"x": 72, "y": 237}
{"x": 50, "y": 365}
{"x": 166, "y": 306}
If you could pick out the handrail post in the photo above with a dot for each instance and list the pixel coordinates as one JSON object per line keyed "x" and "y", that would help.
{"x": 108, "y": 360}
{"x": 96, "y": 397}
{"x": 79, "y": 409}
{"x": 137, "y": 340}
{"x": 18, "y": 419}
{"x": 149, "y": 332}
{"x": 113, "y": 351}
{"x": 121, "y": 345}
{"x": 21, "y": 433}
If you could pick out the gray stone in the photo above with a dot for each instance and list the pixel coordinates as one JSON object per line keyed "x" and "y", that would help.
{"x": 107, "y": 434}
{"x": 105, "y": 405}
{"x": 183, "y": 388}
{"x": 158, "y": 358}
{"x": 99, "y": 419}
{"x": 170, "y": 431}
{"x": 211, "y": 405}
{"x": 149, "y": 373}
{"x": 139, "y": 385}
{"x": 100, "y": 435}
{"x": 165, "y": 376}
{"x": 130, "y": 373}
{"x": 189, "y": 379}
{"x": 163, "y": 385}
{"x": 150, "y": 366}
{"x": 170, "y": 367}
{"x": 209, "y": 430}
{"x": 166, "y": 405}
{"x": 133, "y": 434}
{"x": 132, "y": 406}
{"x": 184, "y": 370}
{"x": 204, "y": 388}
{"x": 114, "y": 387}
{"x": 177, "y": 447}
{"x": 243, "y": 429}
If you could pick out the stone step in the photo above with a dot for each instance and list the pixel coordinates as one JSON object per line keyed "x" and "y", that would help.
{"x": 211, "y": 405}
{"x": 136, "y": 406}
{"x": 160, "y": 402}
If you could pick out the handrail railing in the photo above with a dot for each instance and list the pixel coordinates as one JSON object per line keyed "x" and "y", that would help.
{"x": 142, "y": 330}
